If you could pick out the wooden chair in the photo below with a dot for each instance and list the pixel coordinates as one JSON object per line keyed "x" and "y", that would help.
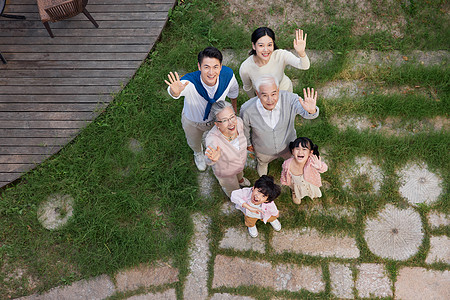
{"x": 2, "y": 58}
{"x": 57, "y": 10}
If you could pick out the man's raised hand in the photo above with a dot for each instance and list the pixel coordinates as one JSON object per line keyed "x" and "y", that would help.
{"x": 309, "y": 100}
{"x": 176, "y": 86}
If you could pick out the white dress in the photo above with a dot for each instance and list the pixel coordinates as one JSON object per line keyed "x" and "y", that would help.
{"x": 303, "y": 188}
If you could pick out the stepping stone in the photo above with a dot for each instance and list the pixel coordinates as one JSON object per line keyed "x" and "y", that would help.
{"x": 373, "y": 281}
{"x": 229, "y": 208}
{"x": 225, "y": 296}
{"x": 395, "y": 233}
{"x": 341, "y": 280}
{"x": 439, "y": 250}
{"x": 199, "y": 254}
{"x": 438, "y": 219}
{"x": 146, "y": 276}
{"x": 167, "y": 295}
{"x": 56, "y": 211}
{"x": 235, "y": 271}
{"x": 419, "y": 185}
{"x": 363, "y": 166}
{"x": 336, "y": 211}
{"x": 135, "y": 146}
{"x": 239, "y": 239}
{"x": 420, "y": 283}
{"x": 310, "y": 242}
{"x": 99, "y": 287}
{"x": 206, "y": 182}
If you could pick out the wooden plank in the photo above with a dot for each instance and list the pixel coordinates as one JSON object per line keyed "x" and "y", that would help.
{"x": 30, "y": 159}
{"x": 16, "y": 168}
{"x": 12, "y": 48}
{"x": 101, "y": 40}
{"x": 66, "y": 124}
{"x": 64, "y": 73}
{"x": 59, "y": 90}
{"x": 110, "y": 16}
{"x": 80, "y": 32}
{"x": 35, "y": 141}
{"x": 43, "y": 98}
{"x": 8, "y": 177}
{"x": 50, "y": 107}
{"x": 55, "y": 64}
{"x": 69, "y": 23}
{"x": 41, "y": 116}
{"x": 101, "y": 2}
{"x": 77, "y": 56}
{"x": 15, "y": 8}
{"x": 24, "y": 133}
{"x": 61, "y": 81}
{"x": 29, "y": 150}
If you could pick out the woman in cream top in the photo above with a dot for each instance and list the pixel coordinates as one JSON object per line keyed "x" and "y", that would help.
{"x": 266, "y": 58}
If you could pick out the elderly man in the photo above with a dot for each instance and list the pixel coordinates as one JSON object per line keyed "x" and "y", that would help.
{"x": 269, "y": 120}
{"x": 212, "y": 82}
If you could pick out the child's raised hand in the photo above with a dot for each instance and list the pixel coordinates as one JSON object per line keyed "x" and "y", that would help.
{"x": 213, "y": 154}
{"x": 316, "y": 162}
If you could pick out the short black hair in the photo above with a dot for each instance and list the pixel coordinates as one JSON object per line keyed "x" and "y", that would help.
{"x": 210, "y": 52}
{"x": 306, "y": 143}
{"x": 266, "y": 186}
{"x": 259, "y": 33}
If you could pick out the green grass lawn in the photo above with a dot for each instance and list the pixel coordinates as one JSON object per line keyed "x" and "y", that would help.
{"x": 135, "y": 207}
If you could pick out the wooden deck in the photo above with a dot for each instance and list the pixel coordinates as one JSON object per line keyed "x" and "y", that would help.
{"x": 51, "y": 88}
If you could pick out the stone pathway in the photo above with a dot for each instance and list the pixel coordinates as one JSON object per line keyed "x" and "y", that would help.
{"x": 281, "y": 262}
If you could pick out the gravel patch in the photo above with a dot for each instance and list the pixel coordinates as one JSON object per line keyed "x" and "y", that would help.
{"x": 437, "y": 219}
{"x": 56, "y": 211}
{"x": 439, "y": 250}
{"x": 420, "y": 283}
{"x": 341, "y": 280}
{"x": 363, "y": 166}
{"x": 167, "y": 295}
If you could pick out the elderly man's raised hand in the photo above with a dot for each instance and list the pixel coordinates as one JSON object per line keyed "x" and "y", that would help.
{"x": 213, "y": 154}
{"x": 176, "y": 86}
{"x": 309, "y": 100}
{"x": 300, "y": 43}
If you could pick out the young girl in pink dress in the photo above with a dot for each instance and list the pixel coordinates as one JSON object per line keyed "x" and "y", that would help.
{"x": 302, "y": 171}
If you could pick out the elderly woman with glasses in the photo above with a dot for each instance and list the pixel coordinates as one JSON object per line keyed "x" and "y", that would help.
{"x": 226, "y": 147}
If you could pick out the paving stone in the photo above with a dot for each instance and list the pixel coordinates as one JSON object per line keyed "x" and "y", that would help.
{"x": 239, "y": 239}
{"x": 225, "y": 296}
{"x": 206, "y": 182}
{"x": 437, "y": 219}
{"x": 99, "y": 287}
{"x": 309, "y": 241}
{"x": 146, "y": 276}
{"x": 373, "y": 281}
{"x": 294, "y": 278}
{"x": 167, "y": 295}
{"x": 135, "y": 146}
{"x": 420, "y": 283}
{"x": 336, "y": 211}
{"x": 56, "y": 211}
{"x": 236, "y": 271}
{"x": 341, "y": 280}
{"x": 199, "y": 254}
{"x": 439, "y": 250}
{"x": 228, "y": 208}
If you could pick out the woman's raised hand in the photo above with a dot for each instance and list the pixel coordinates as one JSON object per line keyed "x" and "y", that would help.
{"x": 316, "y": 162}
{"x": 300, "y": 43}
{"x": 309, "y": 100}
{"x": 213, "y": 154}
{"x": 176, "y": 86}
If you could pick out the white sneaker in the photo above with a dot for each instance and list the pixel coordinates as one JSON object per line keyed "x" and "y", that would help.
{"x": 199, "y": 159}
{"x": 246, "y": 182}
{"x": 253, "y": 231}
{"x": 276, "y": 225}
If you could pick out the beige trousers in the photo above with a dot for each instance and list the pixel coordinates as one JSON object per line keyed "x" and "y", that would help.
{"x": 264, "y": 160}
{"x": 230, "y": 183}
{"x": 194, "y": 132}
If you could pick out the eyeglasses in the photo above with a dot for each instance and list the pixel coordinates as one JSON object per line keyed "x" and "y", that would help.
{"x": 230, "y": 119}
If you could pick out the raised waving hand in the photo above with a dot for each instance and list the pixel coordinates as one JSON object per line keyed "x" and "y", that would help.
{"x": 300, "y": 43}
{"x": 176, "y": 86}
{"x": 309, "y": 100}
